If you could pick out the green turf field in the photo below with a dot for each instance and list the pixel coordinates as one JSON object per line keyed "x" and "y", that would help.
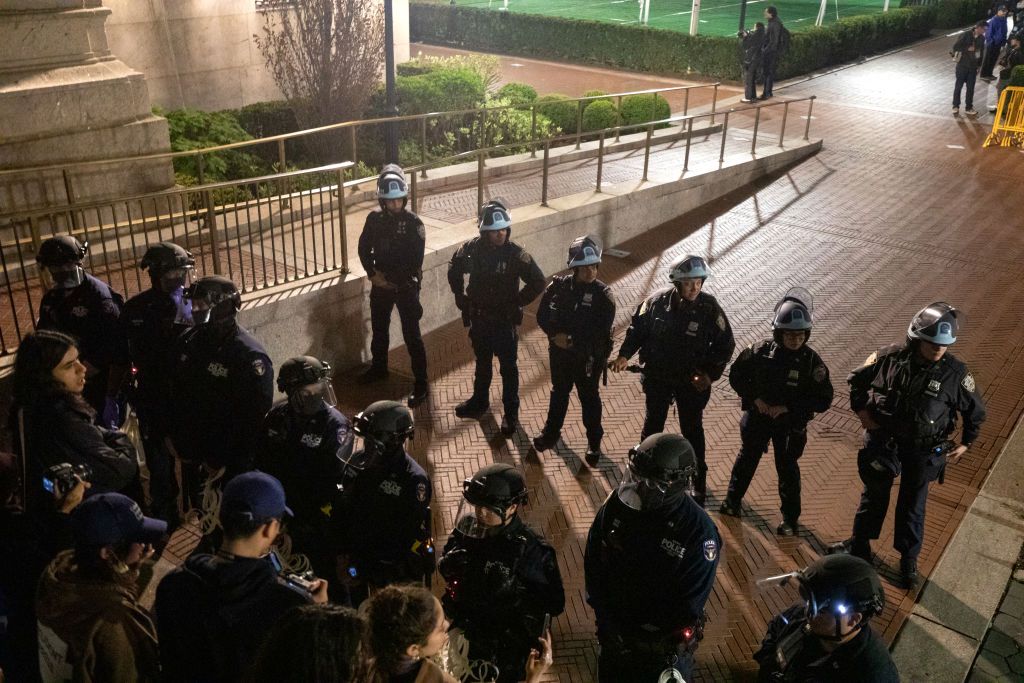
{"x": 717, "y": 17}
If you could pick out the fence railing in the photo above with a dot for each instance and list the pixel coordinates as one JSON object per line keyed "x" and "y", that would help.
{"x": 266, "y": 231}
{"x": 478, "y": 128}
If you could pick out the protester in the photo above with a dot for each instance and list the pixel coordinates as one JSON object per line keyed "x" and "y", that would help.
{"x": 967, "y": 54}
{"x": 751, "y": 45}
{"x": 995, "y": 38}
{"x": 314, "y": 643}
{"x": 1011, "y": 59}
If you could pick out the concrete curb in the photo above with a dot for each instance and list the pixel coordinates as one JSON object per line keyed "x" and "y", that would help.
{"x": 944, "y": 632}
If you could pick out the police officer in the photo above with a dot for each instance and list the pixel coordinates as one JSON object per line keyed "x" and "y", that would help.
{"x": 502, "y": 576}
{"x": 492, "y": 307}
{"x": 827, "y": 636}
{"x": 907, "y": 397}
{"x": 685, "y": 342}
{"x": 303, "y": 443}
{"x": 383, "y": 525}
{"x": 577, "y": 312}
{"x": 391, "y": 250}
{"x": 781, "y": 383}
{"x": 650, "y": 566}
{"x": 222, "y": 386}
{"x": 151, "y": 323}
{"x": 88, "y": 309}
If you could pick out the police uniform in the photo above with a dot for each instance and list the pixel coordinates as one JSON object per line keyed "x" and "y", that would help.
{"x": 677, "y": 338}
{"x": 393, "y": 246}
{"x": 863, "y": 659}
{"x": 151, "y": 323}
{"x": 798, "y": 380}
{"x": 222, "y": 387}
{"x": 88, "y": 312}
{"x": 305, "y": 453}
{"x": 383, "y": 524}
{"x": 584, "y": 312}
{"x": 499, "y": 589}
{"x": 648, "y": 576}
{"x": 492, "y": 306}
{"x": 915, "y": 402}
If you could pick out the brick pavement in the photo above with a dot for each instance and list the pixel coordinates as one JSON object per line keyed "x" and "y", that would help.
{"x": 902, "y": 207}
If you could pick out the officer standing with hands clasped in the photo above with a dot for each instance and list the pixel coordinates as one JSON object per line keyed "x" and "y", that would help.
{"x": 685, "y": 342}
{"x": 391, "y": 250}
{"x": 303, "y": 443}
{"x": 781, "y": 382}
{"x": 827, "y": 637}
{"x": 907, "y": 397}
{"x": 577, "y": 312}
{"x": 650, "y": 564}
{"x": 492, "y": 307}
{"x": 382, "y": 526}
{"x": 151, "y": 323}
{"x": 502, "y": 577}
{"x": 88, "y": 309}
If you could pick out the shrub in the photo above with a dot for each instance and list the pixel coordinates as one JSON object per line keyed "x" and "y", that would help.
{"x": 510, "y": 126}
{"x": 644, "y": 108}
{"x": 560, "y": 110}
{"x": 193, "y": 129}
{"x": 599, "y": 114}
{"x": 517, "y": 94}
{"x": 1017, "y": 77}
{"x": 596, "y": 93}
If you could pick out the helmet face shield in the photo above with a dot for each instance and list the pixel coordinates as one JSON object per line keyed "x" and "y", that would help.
{"x": 312, "y": 398}
{"x": 176, "y": 278}
{"x": 478, "y": 521}
{"x": 938, "y": 323}
{"x": 212, "y": 299}
{"x": 649, "y": 492}
{"x": 67, "y": 276}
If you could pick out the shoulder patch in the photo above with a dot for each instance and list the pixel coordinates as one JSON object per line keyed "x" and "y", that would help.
{"x": 871, "y": 360}
{"x": 421, "y": 231}
{"x": 721, "y": 322}
{"x": 968, "y": 383}
{"x": 421, "y": 492}
{"x": 819, "y": 373}
{"x": 259, "y": 367}
{"x": 710, "y": 550}
{"x": 525, "y": 257}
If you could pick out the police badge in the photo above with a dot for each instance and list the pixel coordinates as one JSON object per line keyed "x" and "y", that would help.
{"x": 710, "y": 550}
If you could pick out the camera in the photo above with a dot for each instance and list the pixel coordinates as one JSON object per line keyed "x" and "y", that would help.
{"x": 60, "y": 478}
{"x": 304, "y": 584}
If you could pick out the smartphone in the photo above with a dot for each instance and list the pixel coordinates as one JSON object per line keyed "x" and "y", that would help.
{"x": 547, "y": 625}
{"x": 48, "y": 484}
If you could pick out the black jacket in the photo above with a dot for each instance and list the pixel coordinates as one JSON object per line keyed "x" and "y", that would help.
{"x": 500, "y": 587}
{"x": 88, "y": 312}
{"x": 58, "y": 430}
{"x": 213, "y": 613}
{"x": 494, "y": 276}
{"x": 585, "y": 312}
{"x": 769, "y": 371}
{"x": 752, "y": 46}
{"x": 151, "y": 323}
{"x": 651, "y": 568}
{"x": 675, "y": 337}
{"x": 1013, "y": 57}
{"x": 305, "y": 453}
{"x": 863, "y": 659}
{"x": 916, "y": 401}
{"x": 772, "y": 38}
{"x": 394, "y": 246}
{"x": 383, "y": 522}
{"x": 970, "y": 48}
{"x": 222, "y": 387}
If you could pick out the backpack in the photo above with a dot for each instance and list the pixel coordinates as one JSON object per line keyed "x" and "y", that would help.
{"x": 784, "y": 37}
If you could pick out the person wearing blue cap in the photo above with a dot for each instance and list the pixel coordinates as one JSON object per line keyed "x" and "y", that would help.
{"x": 907, "y": 397}
{"x": 214, "y": 611}
{"x": 91, "y": 626}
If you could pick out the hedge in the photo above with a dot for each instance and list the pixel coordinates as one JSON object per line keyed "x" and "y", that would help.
{"x": 653, "y": 50}
{"x": 599, "y": 114}
{"x": 517, "y": 93}
{"x": 560, "y": 110}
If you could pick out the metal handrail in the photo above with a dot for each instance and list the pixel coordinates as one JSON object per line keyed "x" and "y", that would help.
{"x": 281, "y": 138}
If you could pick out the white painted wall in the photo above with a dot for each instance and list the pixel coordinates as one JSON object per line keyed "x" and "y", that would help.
{"x": 200, "y": 53}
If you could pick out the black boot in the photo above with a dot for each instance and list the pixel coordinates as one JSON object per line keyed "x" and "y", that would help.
{"x": 543, "y": 442}
{"x": 509, "y": 424}
{"x": 419, "y": 394}
{"x": 730, "y": 508}
{"x": 376, "y": 373}
{"x": 908, "y": 573}
{"x": 593, "y": 455}
{"x": 472, "y": 408}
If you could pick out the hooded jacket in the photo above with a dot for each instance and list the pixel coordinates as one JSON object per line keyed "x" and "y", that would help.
{"x": 213, "y": 613}
{"x": 92, "y": 629}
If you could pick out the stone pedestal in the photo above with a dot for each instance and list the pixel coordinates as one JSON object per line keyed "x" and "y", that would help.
{"x": 64, "y": 98}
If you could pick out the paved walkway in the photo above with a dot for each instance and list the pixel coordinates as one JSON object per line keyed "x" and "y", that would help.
{"x": 901, "y": 208}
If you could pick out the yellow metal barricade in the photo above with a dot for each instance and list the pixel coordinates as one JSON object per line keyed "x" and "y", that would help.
{"x": 1008, "y": 126}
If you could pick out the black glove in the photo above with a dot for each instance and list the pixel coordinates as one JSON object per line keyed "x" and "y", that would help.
{"x": 453, "y": 564}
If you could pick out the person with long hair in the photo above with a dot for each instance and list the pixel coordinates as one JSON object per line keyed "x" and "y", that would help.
{"x": 313, "y": 644}
{"x": 54, "y": 423}
{"x": 91, "y": 626}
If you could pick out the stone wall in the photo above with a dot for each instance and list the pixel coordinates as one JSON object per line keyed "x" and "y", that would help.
{"x": 201, "y": 54}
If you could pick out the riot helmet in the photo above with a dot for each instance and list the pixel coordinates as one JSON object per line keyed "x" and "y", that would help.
{"x": 938, "y": 323}
{"x": 659, "y": 470}
{"x": 170, "y": 266}
{"x": 384, "y": 426}
{"x": 584, "y": 251}
{"x": 494, "y": 215}
{"x": 793, "y": 313}
{"x": 62, "y": 257}
{"x": 494, "y": 488}
{"x": 391, "y": 185}
{"x": 214, "y": 299}
{"x": 307, "y": 382}
{"x": 689, "y": 267}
